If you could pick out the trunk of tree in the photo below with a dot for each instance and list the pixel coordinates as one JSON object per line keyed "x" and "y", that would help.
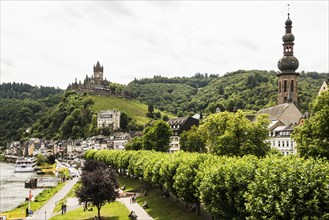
{"x": 197, "y": 208}
{"x": 99, "y": 212}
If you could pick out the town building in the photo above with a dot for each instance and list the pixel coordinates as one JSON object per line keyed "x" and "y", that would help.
{"x": 119, "y": 140}
{"x": 280, "y": 139}
{"x": 109, "y": 118}
{"x": 178, "y": 125}
{"x": 324, "y": 86}
{"x": 284, "y": 114}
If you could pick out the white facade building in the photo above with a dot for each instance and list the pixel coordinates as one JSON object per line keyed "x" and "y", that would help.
{"x": 279, "y": 138}
{"x": 283, "y": 119}
{"x": 119, "y": 140}
{"x": 109, "y": 118}
{"x": 324, "y": 87}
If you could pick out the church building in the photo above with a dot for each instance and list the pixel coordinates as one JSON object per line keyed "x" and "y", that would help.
{"x": 285, "y": 115}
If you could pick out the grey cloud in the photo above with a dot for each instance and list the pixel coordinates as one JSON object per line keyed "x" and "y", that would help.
{"x": 6, "y": 62}
{"x": 247, "y": 43}
{"x": 117, "y": 8}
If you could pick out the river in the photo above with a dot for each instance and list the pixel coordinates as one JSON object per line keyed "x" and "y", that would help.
{"x": 12, "y": 191}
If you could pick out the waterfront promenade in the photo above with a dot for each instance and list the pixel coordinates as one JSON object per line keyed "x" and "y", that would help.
{"x": 47, "y": 209}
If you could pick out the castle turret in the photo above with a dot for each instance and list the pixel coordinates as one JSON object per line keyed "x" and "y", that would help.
{"x": 288, "y": 64}
{"x": 98, "y": 74}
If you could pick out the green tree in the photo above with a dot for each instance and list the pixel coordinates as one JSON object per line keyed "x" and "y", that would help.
{"x": 150, "y": 108}
{"x": 157, "y": 136}
{"x": 223, "y": 183}
{"x": 192, "y": 141}
{"x": 185, "y": 178}
{"x": 67, "y": 126}
{"x": 98, "y": 186}
{"x": 41, "y": 159}
{"x": 234, "y": 135}
{"x": 312, "y": 138}
{"x": 135, "y": 144}
{"x": 289, "y": 188}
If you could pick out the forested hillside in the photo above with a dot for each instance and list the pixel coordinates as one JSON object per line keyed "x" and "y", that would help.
{"x": 21, "y": 105}
{"x": 76, "y": 116}
{"x": 72, "y": 115}
{"x": 170, "y": 94}
{"x": 248, "y": 90}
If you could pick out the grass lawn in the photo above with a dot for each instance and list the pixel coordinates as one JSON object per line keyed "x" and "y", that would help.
{"x": 132, "y": 185}
{"x": 111, "y": 211}
{"x": 48, "y": 168}
{"x": 161, "y": 208}
{"x": 40, "y": 200}
{"x": 133, "y": 108}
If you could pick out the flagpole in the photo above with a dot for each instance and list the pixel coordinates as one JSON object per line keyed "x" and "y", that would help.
{"x": 30, "y": 196}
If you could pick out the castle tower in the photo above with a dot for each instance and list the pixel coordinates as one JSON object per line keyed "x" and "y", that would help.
{"x": 98, "y": 74}
{"x": 288, "y": 64}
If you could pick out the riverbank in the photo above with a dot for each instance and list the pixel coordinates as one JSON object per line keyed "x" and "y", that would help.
{"x": 39, "y": 201}
{"x": 12, "y": 188}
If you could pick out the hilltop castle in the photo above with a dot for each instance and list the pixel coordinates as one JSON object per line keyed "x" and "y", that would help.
{"x": 94, "y": 83}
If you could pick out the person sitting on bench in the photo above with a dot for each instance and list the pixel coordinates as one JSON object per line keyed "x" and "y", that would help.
{"x": 145, "y": 205}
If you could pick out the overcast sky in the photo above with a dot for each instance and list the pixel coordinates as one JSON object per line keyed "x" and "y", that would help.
{"x": 51, "y": 43}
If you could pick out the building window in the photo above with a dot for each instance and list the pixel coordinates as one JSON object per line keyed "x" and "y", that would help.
{"x": 279, "y": 86}
{"x": 287, "y": 143}
{"x": 279, "y": 144}
{"x": 292, "y": 85}
{"x": 285, "y": 86}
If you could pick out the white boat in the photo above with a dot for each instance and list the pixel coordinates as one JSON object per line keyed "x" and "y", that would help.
{"x": 25, "y": 165}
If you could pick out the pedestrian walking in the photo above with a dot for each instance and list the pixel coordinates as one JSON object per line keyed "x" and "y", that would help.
{"x": 62, "y": 208}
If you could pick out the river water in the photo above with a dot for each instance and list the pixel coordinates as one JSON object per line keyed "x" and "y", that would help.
{"x": 12, "y": 191}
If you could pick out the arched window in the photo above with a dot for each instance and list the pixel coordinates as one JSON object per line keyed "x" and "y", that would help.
{"x": 279, "y": 86}
{"x": 285, "y": 86}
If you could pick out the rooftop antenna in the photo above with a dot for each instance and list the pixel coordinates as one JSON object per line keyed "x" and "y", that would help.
{"x": 288, "y": 9}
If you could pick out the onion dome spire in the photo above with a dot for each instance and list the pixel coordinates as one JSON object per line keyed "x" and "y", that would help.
{"x": 287, "y": 77}
{"x": 288, "y": 63}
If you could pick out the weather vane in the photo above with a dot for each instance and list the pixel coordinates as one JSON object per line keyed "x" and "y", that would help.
{"x": 288, "y": 9}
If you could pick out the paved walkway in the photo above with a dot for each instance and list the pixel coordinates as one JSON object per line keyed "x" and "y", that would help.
{"x": 47, "y": 209}
{"x": 140, "y": 212}
{"x": 72, "y": 203}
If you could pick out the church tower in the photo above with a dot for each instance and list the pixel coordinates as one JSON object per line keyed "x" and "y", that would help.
{"x": 288, "y": 64}
{"x": 98, "y": 74}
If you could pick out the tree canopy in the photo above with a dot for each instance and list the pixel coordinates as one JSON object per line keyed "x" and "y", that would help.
{"x": 157, "y": 136}
{"x": 312, "y": 138}
{"x": 20, "y": 106}
{"x": 98, "y": 185}
{"x": 245, "y": 187}
{"x": 233, "y": 134}
{"x": 248, "y": 90}
{"x": 192, "y": 141}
